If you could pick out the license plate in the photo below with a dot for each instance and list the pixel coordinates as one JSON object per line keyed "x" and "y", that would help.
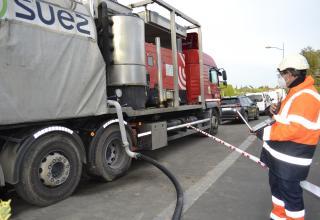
{"x": 226, "y": 109}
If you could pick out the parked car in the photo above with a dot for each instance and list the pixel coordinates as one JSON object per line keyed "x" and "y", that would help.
{"x": 262, "y": 99}
{"x": 277, "y": 95}
{"x": 243, "y": 104}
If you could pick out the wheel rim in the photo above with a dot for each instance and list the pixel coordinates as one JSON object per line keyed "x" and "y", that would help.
{"x": 54, "y": 169}
{"x": 112, "y": 153}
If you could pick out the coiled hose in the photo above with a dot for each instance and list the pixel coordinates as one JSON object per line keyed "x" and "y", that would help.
{"x": 179, "y": 204}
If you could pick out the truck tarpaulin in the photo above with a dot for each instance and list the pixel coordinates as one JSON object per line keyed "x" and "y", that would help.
{"x": 50, "y": 63}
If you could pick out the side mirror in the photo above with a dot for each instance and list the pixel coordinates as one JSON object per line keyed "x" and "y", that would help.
{"x": 224, "y": 75}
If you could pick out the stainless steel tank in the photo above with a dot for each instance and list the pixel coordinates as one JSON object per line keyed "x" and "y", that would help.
{"x": 128, "y": 66}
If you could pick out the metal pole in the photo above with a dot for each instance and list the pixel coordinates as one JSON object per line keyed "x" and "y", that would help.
{"x": 159, "y": 65}
{"x": 174, "y": 58}
{"x": 201, "y": 68}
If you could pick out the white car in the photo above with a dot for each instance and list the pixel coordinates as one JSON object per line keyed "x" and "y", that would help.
{"x": 277, "y": 95}
{"x": 262, "y": 99}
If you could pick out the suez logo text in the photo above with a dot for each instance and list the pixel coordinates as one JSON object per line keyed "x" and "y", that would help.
{"x": 51, "y": 16}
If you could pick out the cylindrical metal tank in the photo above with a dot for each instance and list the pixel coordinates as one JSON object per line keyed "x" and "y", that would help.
{"x": 128, "y": 66}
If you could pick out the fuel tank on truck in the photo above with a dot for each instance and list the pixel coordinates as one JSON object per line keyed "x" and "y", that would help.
{"x": 128, "y": 70}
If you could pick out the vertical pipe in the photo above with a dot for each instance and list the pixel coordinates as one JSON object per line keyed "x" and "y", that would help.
{"x": 159, "y": 65}
{"x": 122, "y": 129}
{"x": 174, "y": 58}
{"x": 201, "y": 68}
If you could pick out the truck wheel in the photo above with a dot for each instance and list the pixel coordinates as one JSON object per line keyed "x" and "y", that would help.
{"x": 51, "y": 170}
{"x": 215, "y": 118}
{"x": 111, "y": 159}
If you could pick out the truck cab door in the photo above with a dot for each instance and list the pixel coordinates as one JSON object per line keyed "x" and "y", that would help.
{"x": 214, "y": 83}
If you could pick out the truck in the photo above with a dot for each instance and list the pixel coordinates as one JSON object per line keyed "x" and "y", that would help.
{"x": 63, "y": 66}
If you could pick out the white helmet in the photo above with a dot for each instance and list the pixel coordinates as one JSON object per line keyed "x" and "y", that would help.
{"x": 295, "y": 61}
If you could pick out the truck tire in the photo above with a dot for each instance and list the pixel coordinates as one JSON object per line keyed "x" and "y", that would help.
{"x": 51, "y": 169}
{"x": 215, "y": 121}
{"x": 111, "y": 160}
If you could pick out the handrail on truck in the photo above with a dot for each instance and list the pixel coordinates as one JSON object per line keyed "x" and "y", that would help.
{"x": 173, "y": 13}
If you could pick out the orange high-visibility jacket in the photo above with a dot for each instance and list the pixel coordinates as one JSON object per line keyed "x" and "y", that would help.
{"x": 289, "y": 144}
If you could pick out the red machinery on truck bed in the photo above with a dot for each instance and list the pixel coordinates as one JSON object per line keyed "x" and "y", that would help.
{"x": 63, "y": 64}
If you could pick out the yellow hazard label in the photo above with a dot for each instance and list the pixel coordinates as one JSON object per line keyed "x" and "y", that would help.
{"x": 5, "y": 210}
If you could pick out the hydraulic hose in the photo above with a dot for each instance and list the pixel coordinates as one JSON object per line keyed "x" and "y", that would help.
{"x": 179, "y": 204}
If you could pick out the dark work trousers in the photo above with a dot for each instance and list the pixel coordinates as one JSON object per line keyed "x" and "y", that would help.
{"x": 290, "y": 192}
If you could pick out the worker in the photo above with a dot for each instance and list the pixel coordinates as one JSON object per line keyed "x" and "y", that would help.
{"x": 289, "y": 144}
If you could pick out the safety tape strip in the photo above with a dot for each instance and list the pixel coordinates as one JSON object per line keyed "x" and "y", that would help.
{"x": 295, "y": 214}
{"x": 243, "y": 153}
{"x": 277, "y": 201}
{"x": 51, "y": 129}
{"x": 287, "y": 106}
{"x": 275, "y": 217}
{"x": 287, "y": 158}
{"x": 315, "y": 190}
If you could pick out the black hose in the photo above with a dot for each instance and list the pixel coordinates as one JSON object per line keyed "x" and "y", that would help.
{"x": 179, "y": 204}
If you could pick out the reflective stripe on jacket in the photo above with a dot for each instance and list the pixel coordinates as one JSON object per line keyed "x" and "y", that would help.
{"x": 290, "y": 142}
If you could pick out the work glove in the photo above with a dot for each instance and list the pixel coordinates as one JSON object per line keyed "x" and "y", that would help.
{"x": 5, "y": 210}
{"x": 259, "y": 134}
{"x": 275, "y": 108}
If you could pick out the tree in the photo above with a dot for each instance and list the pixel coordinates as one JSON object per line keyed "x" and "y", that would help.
{"x": 313, "y": 57}
{"x": 227, "y": 90}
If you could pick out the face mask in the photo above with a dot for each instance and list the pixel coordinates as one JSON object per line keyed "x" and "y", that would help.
{"x": 282, "y": 83}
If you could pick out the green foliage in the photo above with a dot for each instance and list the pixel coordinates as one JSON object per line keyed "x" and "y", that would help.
{"x": 230, "y": 91}
{"x": 313, "y": 57}
{"x": 227, "y": 90}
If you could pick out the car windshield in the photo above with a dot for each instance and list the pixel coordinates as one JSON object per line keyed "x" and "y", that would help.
{"x": 256, "y": 98}
{"x": 229, "y": 101}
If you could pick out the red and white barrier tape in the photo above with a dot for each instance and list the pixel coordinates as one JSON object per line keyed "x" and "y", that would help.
{"x": 243, "y": 153}
{"x": 304, "y": 184}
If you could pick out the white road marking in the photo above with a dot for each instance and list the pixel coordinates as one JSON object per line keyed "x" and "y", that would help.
{"x": 199, "y": 188}
{"x": 315, "y": 190}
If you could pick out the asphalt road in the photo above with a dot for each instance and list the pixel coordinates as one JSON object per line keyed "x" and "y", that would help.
{"x": 218, "y": 184}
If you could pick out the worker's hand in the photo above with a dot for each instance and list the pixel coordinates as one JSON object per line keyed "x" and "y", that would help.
{"x": 274, "y": 108}
{"x": 5, "y": 210}
{"x": 258, "y": 133}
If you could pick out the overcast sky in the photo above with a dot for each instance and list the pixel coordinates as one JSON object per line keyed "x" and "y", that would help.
{"x": 235, "y": 33}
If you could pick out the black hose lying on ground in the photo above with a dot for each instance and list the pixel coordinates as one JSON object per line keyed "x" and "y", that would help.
{"x": 179, "y": 204}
